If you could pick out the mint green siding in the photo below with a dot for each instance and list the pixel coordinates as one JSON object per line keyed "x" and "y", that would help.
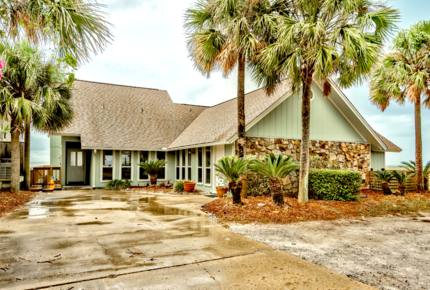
{"x": 377, "y": 161}
{"x": 55, "y": 150}
{"x": 327, "y": 123}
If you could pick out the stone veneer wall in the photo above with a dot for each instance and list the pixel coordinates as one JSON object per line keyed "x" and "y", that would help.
{"x": 344, "y": 155}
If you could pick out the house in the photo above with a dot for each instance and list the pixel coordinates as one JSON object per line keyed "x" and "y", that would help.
{"x": 116, "y": 127}
{"x": 6, "y": 156}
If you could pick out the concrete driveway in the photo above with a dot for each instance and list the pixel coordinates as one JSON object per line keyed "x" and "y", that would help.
{"x": 131, "y": 240}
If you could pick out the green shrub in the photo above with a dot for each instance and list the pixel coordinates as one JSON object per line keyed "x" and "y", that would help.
{"x": 257, "y": 184}
{"x": 179, "y": 186}
{"x": 334, "y": 184}
{"x": 118, "y": 184}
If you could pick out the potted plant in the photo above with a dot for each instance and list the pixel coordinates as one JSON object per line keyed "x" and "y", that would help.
{"x": 189, "y": 185}
{"x": 231, "y": 169}
{"x": 401, "y": 177}
{"x": 275, "y": 168}
{"x": 385, "y": 177}
{"x": 152, "y": 168}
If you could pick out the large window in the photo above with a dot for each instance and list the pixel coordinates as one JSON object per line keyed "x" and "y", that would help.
{"x": 183, "y": 164}
{"x": 200, "y": 165}
{"x": 208, "y": 169}
{"x": 126, "y": 165}
{"x": 107, "y": 166}
{"x": 144, "y": 156}
{"x": 161, "y": 155}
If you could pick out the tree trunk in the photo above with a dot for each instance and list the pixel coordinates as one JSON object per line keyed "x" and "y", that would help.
{"x": 153, "y": 179}
{"x": 418, "y": 145}
{"x": 27, "y": 156}
{"x": 240, "y": 152}
{"x": 16, "y": 159}
{"x": 305, "y": 143}
{"x": 276, "y": 190}
{"x": 235, "y": 189}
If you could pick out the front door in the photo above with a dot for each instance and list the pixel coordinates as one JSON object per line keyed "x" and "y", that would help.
{"x": 75, "y": 166}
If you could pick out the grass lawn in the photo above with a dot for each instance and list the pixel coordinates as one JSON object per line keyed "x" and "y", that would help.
{"x": 11, "y": 201}
{"x": 262, "y": 210}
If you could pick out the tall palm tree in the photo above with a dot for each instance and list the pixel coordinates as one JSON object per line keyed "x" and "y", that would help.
{"x": 75, "y": 28}
{"x": 319, "y": 39}
{"x": 404, "y": 74}
{"x": 227, "y": 34}
{"x": 31, "y": 89}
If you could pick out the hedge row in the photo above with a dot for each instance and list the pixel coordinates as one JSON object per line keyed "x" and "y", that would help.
{"x": 330, "y": 184}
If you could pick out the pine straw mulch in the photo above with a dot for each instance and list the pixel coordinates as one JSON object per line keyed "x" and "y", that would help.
{"x": 11, "y": 201}
{"x": 371, "y": 204}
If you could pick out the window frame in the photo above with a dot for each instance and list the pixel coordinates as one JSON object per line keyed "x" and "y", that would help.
{"x": 126, "y": 166}
{"x": 140, "y": 161}
{"x": 103, "y": 166}
{"x": 206, "y": 166}
{"x": 200, "y": 165}
{"x": 165, "y": 165}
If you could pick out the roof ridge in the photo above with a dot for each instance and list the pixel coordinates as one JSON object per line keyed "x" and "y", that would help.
{"x": 194, "y": 105}
{"x": 120, "y": 85}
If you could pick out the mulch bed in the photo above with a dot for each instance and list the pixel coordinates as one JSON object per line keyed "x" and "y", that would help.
{"x": 262, "y": 210}
{"x": 11, "y": 201}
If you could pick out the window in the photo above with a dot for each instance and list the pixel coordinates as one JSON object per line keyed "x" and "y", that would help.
{"x": 144, "y": 156}
{"x": 178, "y": 166}
{"x": 183, "y": 164}
{"x": 76, "y": 159}
{"x": 208, "y": 165}
{"x": 189, "y": 176}
{"x": 200, "y": 165}
{"x": 126, "y": 165}
{"x": 107, "y": 165}
{"x": 161, "y": 155}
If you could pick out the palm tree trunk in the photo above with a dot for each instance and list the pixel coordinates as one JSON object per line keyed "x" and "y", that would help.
{"x": 16, "y": 158}
{"x": 241, "y": 106}
{"x": 418, "y": 144}
{"x": 27, "y": 156}
{"x": 305, "y": 143}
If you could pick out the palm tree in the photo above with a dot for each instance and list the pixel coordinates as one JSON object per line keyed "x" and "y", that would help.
{"x": 401, "y": 177}
{"x": 152, "y": 168}
{"x": 227, "y": 34}
{"x": 275, "y": 167}
{"x": 31, "y": 90}
{"x": 404, "y": 74}
{"x": 233, "y": 169}
{"x": 411, "y": 169}
{"x": 316, "y": 40}
{"x": 77, "y": 28}
{"x": 385, "y": 177}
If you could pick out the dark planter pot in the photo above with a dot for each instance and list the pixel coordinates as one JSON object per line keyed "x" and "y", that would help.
{"x": 221, "y": 191}
{"x": 153, "y": 179}
{"x": 189, "y": 186}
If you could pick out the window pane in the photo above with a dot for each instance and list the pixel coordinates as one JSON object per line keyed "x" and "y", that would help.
{"x": 142, "y": 174}
{"x": 208, "y": 156}
{"x": 200, "y": 175}
{"x": 177, "y": 173}
{"x": 183, "y": 172}
{"x": 208, "y": 176}
{"x": 161, "y": 173}
{"x": 189, "y": 157}
{"x": 178, "y": 157}
{"x": 107, "y": 158}
{"x": 161, "y": 155}
{"x": 126, "y": 173}
{"x": 126, "y": 158}
{"x": 200, "y": 157}
{"x": 144, "y": 156}
{"x": 79, "y": 158}
{"x": 189, "y": 173}
{"x": 183, "y": 157}
{"x": 73, "y": 158}
{"x": 107, "y": 173}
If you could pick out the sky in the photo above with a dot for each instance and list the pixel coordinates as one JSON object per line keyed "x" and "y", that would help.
{"x": 149, "y": 50}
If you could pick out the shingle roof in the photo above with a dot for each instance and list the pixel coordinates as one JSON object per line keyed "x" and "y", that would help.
{"x": 218, "y": 124}
{"x": 129, "y": 118}
{"x": 391, "y": 147}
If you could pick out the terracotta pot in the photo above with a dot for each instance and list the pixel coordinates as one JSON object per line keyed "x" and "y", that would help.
{"x": 189, "y": 186}
{"x": 221, "y": 191}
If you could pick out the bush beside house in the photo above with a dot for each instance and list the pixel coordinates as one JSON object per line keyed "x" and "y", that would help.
{"x": 331, "y": 184}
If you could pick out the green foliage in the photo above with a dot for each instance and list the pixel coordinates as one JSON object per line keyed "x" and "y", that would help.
{"x": 400, "y": 176}
{"x": 410, "y": 167}
{"x": 152, "y": 167}
{"x": 274, "y": 166}
{"x": 179, "y": 186}
{"x": 118, "y": 184}
{"x": 231, "y": 168}
{"x": 257, "y": 184}
{"x": 77, "y": 28}
{"x": 384, "y": 175}
{"x": 329, "y": 184}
